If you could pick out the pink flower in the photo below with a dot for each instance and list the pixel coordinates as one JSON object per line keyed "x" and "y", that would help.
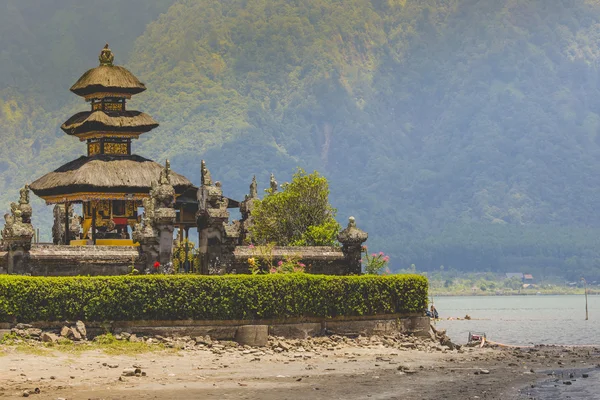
{"x": 386, "y": 258}
{"x": 373, "y": 255}
{"x": 280, "y": 263}
{"x": 381, "y": 253}
{"x": 273, "y": 271}
{"x": 251, "y": 246}
{"x": 301, "y": 265}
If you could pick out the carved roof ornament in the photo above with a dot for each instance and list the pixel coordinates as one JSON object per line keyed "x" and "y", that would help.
{"x": 253, "y": 189}
{"x": 206, "y": 180}
{"x": 352, "y": 235}
{"x": 106, "y": 56}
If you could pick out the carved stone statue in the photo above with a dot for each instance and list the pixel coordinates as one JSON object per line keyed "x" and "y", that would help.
{"x": 253, "y": 189}
{"x": 205, "y": 179}
{"x": 58, "y": 229}
{"x": 24, "y": 206}
{"x": 164, "y": 193}
{"x": 165, "y": 174}
{"x": 74, "y": 225}
{"x": 106, "y": 56}
{"x": 273, "y": 184}
{"x": 24, "y": 195}
{"x": 15, "y": 229}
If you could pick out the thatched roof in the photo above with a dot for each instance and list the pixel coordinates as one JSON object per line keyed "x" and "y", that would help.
{"x": 117, "y": 121}
{"x": 107, "y": 78}
{"x": 105, "y": 173}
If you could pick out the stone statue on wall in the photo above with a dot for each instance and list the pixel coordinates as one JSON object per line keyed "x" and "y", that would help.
{"x": 163, "y": 193}
{"x": 58, "y": 228}
{"x": 253, "y": 189}
{"x": 24, "y": 206}
{"x": 74, "y": 225}
{"x": 15, "y": 229}
{"x": 24, "y": 195}
{"x": 165, "y": 174}
{"x": 273, "y": 184}
{"x": 205, "y": 178}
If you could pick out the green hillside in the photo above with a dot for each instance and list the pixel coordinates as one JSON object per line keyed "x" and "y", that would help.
{"x": 460, "y": 133}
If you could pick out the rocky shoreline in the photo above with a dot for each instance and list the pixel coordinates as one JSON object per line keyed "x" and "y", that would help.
{"x": 385, "y": 367}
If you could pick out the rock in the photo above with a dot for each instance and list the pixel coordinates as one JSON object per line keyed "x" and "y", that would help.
{"x": 75, "y": 335}
{"x": 26, "y": 393}
{"x": 484, "y": 372}
{"x": 585, "y": 375}
{"x": 252, "y": 335}
{"x": 48, "y": 337}
{"x": 131, "y": 371}
{"x": 33, "y": 332}
{"x": 23, "y": 326}
{"x": 80, "y": 326}
{"x": 65, "y": 330}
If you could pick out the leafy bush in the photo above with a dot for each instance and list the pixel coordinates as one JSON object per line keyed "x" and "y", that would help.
{"x": 178, "y": 297}
{"x": 299, "y": 215}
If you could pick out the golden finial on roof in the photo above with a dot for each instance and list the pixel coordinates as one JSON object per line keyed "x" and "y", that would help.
{"x": 106, "y": 56}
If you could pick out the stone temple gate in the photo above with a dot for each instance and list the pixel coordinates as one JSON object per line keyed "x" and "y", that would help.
{"x": 112, "y": 184}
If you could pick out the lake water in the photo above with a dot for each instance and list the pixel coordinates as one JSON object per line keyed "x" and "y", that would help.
{"x": 522, "y": 320}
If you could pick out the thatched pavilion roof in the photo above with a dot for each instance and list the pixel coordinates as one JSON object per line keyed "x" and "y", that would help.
{"x": 108, "y": 78}
{"x": 103, "y": 174}
{"x": 111, "y": 121}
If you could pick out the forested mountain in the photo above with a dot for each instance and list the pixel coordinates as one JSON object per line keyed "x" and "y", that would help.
{"x": 460, "y": 133}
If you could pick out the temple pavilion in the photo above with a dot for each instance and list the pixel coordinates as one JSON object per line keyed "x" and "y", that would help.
{"x": 110, "y": 182}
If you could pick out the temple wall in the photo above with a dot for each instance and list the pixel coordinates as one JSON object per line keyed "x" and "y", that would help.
{"x": 61, "y": 260}
{"x": 52, "y": 260}
{"x": 318, "y": 259}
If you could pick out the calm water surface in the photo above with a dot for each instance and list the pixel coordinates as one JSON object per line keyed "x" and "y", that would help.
{"x": 522, "y": 320}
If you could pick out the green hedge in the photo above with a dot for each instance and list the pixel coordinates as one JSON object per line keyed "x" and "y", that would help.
{"x": 160, "y": 297}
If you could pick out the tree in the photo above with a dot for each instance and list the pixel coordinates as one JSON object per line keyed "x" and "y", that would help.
{"x": 299, "y": 215}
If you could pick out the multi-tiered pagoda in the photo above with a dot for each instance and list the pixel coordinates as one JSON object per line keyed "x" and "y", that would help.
{"x": 110, "y": 182}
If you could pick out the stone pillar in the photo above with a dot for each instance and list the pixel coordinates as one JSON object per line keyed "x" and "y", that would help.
{"x": 212, "y": 219}
{"x": 352, "y": 239}
{"x": 155, "y": 233}
{"x": 165, "y": 225}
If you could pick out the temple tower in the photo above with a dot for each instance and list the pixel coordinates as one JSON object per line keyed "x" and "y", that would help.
{"x": 110, "y": 182}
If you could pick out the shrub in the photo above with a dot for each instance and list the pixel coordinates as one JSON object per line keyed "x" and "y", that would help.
{"x": 299, "y": 215}
{"x": 178, "y": 297}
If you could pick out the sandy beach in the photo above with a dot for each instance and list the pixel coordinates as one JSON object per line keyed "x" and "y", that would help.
{"x": 291, "y": 369}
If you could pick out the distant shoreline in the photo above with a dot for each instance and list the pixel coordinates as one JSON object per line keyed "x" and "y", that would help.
{"x": 487, "y": 294}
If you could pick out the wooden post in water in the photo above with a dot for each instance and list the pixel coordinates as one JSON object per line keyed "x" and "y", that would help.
{"x": 586, "y": 300}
